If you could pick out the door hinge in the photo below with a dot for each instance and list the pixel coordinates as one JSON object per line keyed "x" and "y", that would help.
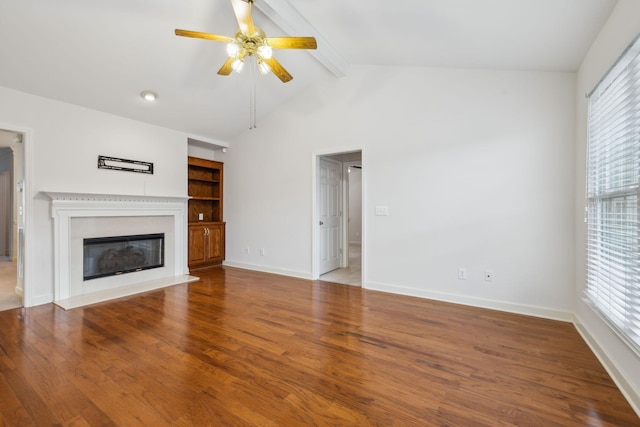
{"x": 340, "y": 250}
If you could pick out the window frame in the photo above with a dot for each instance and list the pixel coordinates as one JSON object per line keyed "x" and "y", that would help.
{"x": 612, "y": 197}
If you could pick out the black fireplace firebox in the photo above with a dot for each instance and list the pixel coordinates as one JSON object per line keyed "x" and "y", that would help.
{"x": 108, "y": 256}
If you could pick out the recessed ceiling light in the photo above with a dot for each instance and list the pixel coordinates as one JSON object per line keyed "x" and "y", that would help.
{"x": 149, "y": 95}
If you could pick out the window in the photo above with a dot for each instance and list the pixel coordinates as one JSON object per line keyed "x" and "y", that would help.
{"x": 613, "y": 192}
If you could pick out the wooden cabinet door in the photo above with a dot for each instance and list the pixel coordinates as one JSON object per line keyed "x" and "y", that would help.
{"x": 197, "y": 244}
{"x": 206, "y": 244}
{"x": 216, "y": 242}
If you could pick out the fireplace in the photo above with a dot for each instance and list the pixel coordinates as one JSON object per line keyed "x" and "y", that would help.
{"x": 80, "y": 217}
{"x": 108, "y": 256}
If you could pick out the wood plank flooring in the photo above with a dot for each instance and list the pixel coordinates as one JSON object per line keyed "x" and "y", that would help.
{"x": 245, "y": 348}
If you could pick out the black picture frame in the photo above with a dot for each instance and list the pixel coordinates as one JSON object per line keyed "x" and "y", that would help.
{"x": 116, "y": 163}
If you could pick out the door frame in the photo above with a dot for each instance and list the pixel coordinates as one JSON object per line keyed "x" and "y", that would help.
{"x": 315, "y": 233}
{"x": 27, "y": 142}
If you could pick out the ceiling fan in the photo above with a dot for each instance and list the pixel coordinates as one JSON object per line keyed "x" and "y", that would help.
{"x": 252, "y": 41}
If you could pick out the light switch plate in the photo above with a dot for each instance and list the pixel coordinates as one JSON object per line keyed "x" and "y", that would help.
{"x": 382, "y": 210}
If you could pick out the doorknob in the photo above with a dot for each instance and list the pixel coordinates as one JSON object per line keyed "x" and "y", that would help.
{"x": 321, "y": 223}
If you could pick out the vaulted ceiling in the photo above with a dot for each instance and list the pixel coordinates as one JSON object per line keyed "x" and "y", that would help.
{"x": 102, "y": 54}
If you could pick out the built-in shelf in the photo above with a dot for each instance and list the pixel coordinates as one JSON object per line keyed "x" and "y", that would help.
{"x": 206, "y": 227}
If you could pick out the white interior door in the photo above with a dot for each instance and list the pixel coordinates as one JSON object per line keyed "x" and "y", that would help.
{"x": 329, "y": 213}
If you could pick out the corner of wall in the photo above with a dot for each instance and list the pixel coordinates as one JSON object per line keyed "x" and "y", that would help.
{"x": 632, "y": 395}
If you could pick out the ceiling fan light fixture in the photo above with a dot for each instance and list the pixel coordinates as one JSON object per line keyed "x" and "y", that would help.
{"x": 237, "y": 65}
{"x": 265, "y": 51}
{"x": 263, "y": 67}
{"x": 233, "y": 49}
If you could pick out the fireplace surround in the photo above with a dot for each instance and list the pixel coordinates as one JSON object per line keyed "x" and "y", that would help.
{"x": 77, "y": 217}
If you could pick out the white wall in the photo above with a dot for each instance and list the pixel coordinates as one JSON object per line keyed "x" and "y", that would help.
{"x": 65, "y": 143}
{"x": 621, "y": 362}
{"x": 200, "y": 151}
{"x": 476, "y": 167}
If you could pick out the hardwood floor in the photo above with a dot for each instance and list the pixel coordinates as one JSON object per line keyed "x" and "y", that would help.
{"x": 246, "y": 348}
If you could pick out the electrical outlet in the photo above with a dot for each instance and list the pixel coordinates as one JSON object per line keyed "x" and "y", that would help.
{"x": 488, "y": 276}
{"x": 200, "y": 216}
{"x": 261, "y": 251}
{"x": 247, "y": 251}
{"x": 462, "y": 273}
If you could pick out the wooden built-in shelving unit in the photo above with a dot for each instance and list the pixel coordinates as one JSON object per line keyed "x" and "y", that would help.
{"x": 206, "y": 227}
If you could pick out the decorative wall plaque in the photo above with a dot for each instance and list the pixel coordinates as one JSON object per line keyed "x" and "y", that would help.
{"x": 105, "y": 162}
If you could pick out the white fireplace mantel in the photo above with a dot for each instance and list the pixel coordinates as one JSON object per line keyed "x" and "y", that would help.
{"x": 86, "y": 199}
{"x": 67, "y": 206}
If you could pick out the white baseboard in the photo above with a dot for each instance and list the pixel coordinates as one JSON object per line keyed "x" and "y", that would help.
{"x": 265, "y": 269}
{"x": 38, "y": 300}
{"x": 623, "y": 385}
{"x": 528, "y": 310}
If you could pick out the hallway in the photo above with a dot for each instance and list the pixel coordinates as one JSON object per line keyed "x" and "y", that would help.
{"x": 8, "y": 277}
{"x": 351, "y": 275}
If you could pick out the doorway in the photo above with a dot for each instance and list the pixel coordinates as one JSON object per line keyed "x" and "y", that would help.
{"x": 339, "y": 200}
{"x": 11, "y": 226}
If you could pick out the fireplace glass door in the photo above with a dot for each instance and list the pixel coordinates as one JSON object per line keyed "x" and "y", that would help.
{"x": 107, "y": 256}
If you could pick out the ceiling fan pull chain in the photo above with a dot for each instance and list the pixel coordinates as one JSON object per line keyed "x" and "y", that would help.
{"x": 252, "y": 95}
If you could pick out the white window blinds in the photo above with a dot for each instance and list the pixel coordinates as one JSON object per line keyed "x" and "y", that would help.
{"x": 613, "y": 192}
